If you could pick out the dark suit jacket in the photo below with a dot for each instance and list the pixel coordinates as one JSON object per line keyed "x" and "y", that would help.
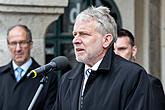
{"x": 158, "y": 93}
{"x": 18, "y": 95}
{"x": 118, "y": 84}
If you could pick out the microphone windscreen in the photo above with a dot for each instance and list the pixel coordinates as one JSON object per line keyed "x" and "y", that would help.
{"x": 61, "y": 62}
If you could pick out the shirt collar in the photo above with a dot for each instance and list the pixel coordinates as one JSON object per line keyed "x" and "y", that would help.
{"x": 25, "y": 66}
{"x": 94, "y": 67}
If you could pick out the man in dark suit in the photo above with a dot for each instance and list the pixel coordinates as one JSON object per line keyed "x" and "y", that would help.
{"x": 16, "y": 90}
{"x": 126, "y": 48}
{"x": 101, "y": 80}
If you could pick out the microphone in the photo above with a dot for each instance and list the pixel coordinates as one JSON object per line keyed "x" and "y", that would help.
{"x": 58, "y": 63}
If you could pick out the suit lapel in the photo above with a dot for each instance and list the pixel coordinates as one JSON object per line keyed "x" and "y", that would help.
{"x": 75, "y": 85}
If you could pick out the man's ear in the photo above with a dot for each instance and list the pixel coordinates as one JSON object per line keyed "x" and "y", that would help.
{"x": 107, "y": 40}
{"x": 134, "y": 52}
{"x": 31, "y": 45}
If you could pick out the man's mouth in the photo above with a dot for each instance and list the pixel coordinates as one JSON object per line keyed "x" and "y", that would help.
{"x": 79, "y": 50}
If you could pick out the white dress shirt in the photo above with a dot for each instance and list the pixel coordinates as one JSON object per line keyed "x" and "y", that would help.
{"x": 86, "y": 75}
{"x": 25, "y": 67}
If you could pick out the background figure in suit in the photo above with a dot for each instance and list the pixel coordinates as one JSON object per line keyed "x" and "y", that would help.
{"x": 17, "y": 91}
{"x": 125, "y": 47}
{"x": 101, "y": 80}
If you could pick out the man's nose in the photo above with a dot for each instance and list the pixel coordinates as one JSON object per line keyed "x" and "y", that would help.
{"x": 76, "y": 40}
{"x": 18, "y": 46}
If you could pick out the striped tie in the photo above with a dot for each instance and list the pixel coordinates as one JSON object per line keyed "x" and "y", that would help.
{"x": 19, "y": 72}
{"x": 87, "y": 73}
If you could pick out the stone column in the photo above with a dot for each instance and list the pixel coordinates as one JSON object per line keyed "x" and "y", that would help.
{"x": 163, "y": 42}
{"x": 155, "y": 38}
{"x": 36, "y": 14}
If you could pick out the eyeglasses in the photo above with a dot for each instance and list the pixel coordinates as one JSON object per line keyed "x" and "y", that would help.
{"x": 21, "y": 43}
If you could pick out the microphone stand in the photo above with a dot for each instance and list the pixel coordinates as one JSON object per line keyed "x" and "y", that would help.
{"x": 42, "y": 82}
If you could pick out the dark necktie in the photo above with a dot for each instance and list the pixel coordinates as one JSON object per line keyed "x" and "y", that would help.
{"x": 87, "y": 73}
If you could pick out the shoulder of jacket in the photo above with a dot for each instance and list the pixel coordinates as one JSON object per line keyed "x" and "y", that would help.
{"x": 5, "y": 68}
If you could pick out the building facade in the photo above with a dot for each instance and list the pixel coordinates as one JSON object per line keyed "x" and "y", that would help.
{"x": 52, "y": 21}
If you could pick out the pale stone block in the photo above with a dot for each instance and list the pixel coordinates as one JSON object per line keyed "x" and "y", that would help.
{"x": 4, "y": 53}
{"x": 38, "y": 50}
{"x": 127, "y": 11}
{"x": 37, "y": 23}
{"x": 163, "y": 67}
{"x": 163, "y": 41}
{"x": 36, "y": 2}
{"x": 30, "y": 9}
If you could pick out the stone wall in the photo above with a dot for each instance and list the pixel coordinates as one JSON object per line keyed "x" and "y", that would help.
{"x": 36, "y": 14}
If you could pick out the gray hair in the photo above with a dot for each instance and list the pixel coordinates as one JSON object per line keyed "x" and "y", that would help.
{"x": 106, "y": 23}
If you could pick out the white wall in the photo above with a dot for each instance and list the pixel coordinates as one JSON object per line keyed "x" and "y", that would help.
{"x": 127, "y": 11}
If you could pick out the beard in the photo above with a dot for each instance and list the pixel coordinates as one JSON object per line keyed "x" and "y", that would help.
{"x": 90, "y": 58}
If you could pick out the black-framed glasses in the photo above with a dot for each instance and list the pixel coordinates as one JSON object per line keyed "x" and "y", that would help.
{"x": 21, "y": 43}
